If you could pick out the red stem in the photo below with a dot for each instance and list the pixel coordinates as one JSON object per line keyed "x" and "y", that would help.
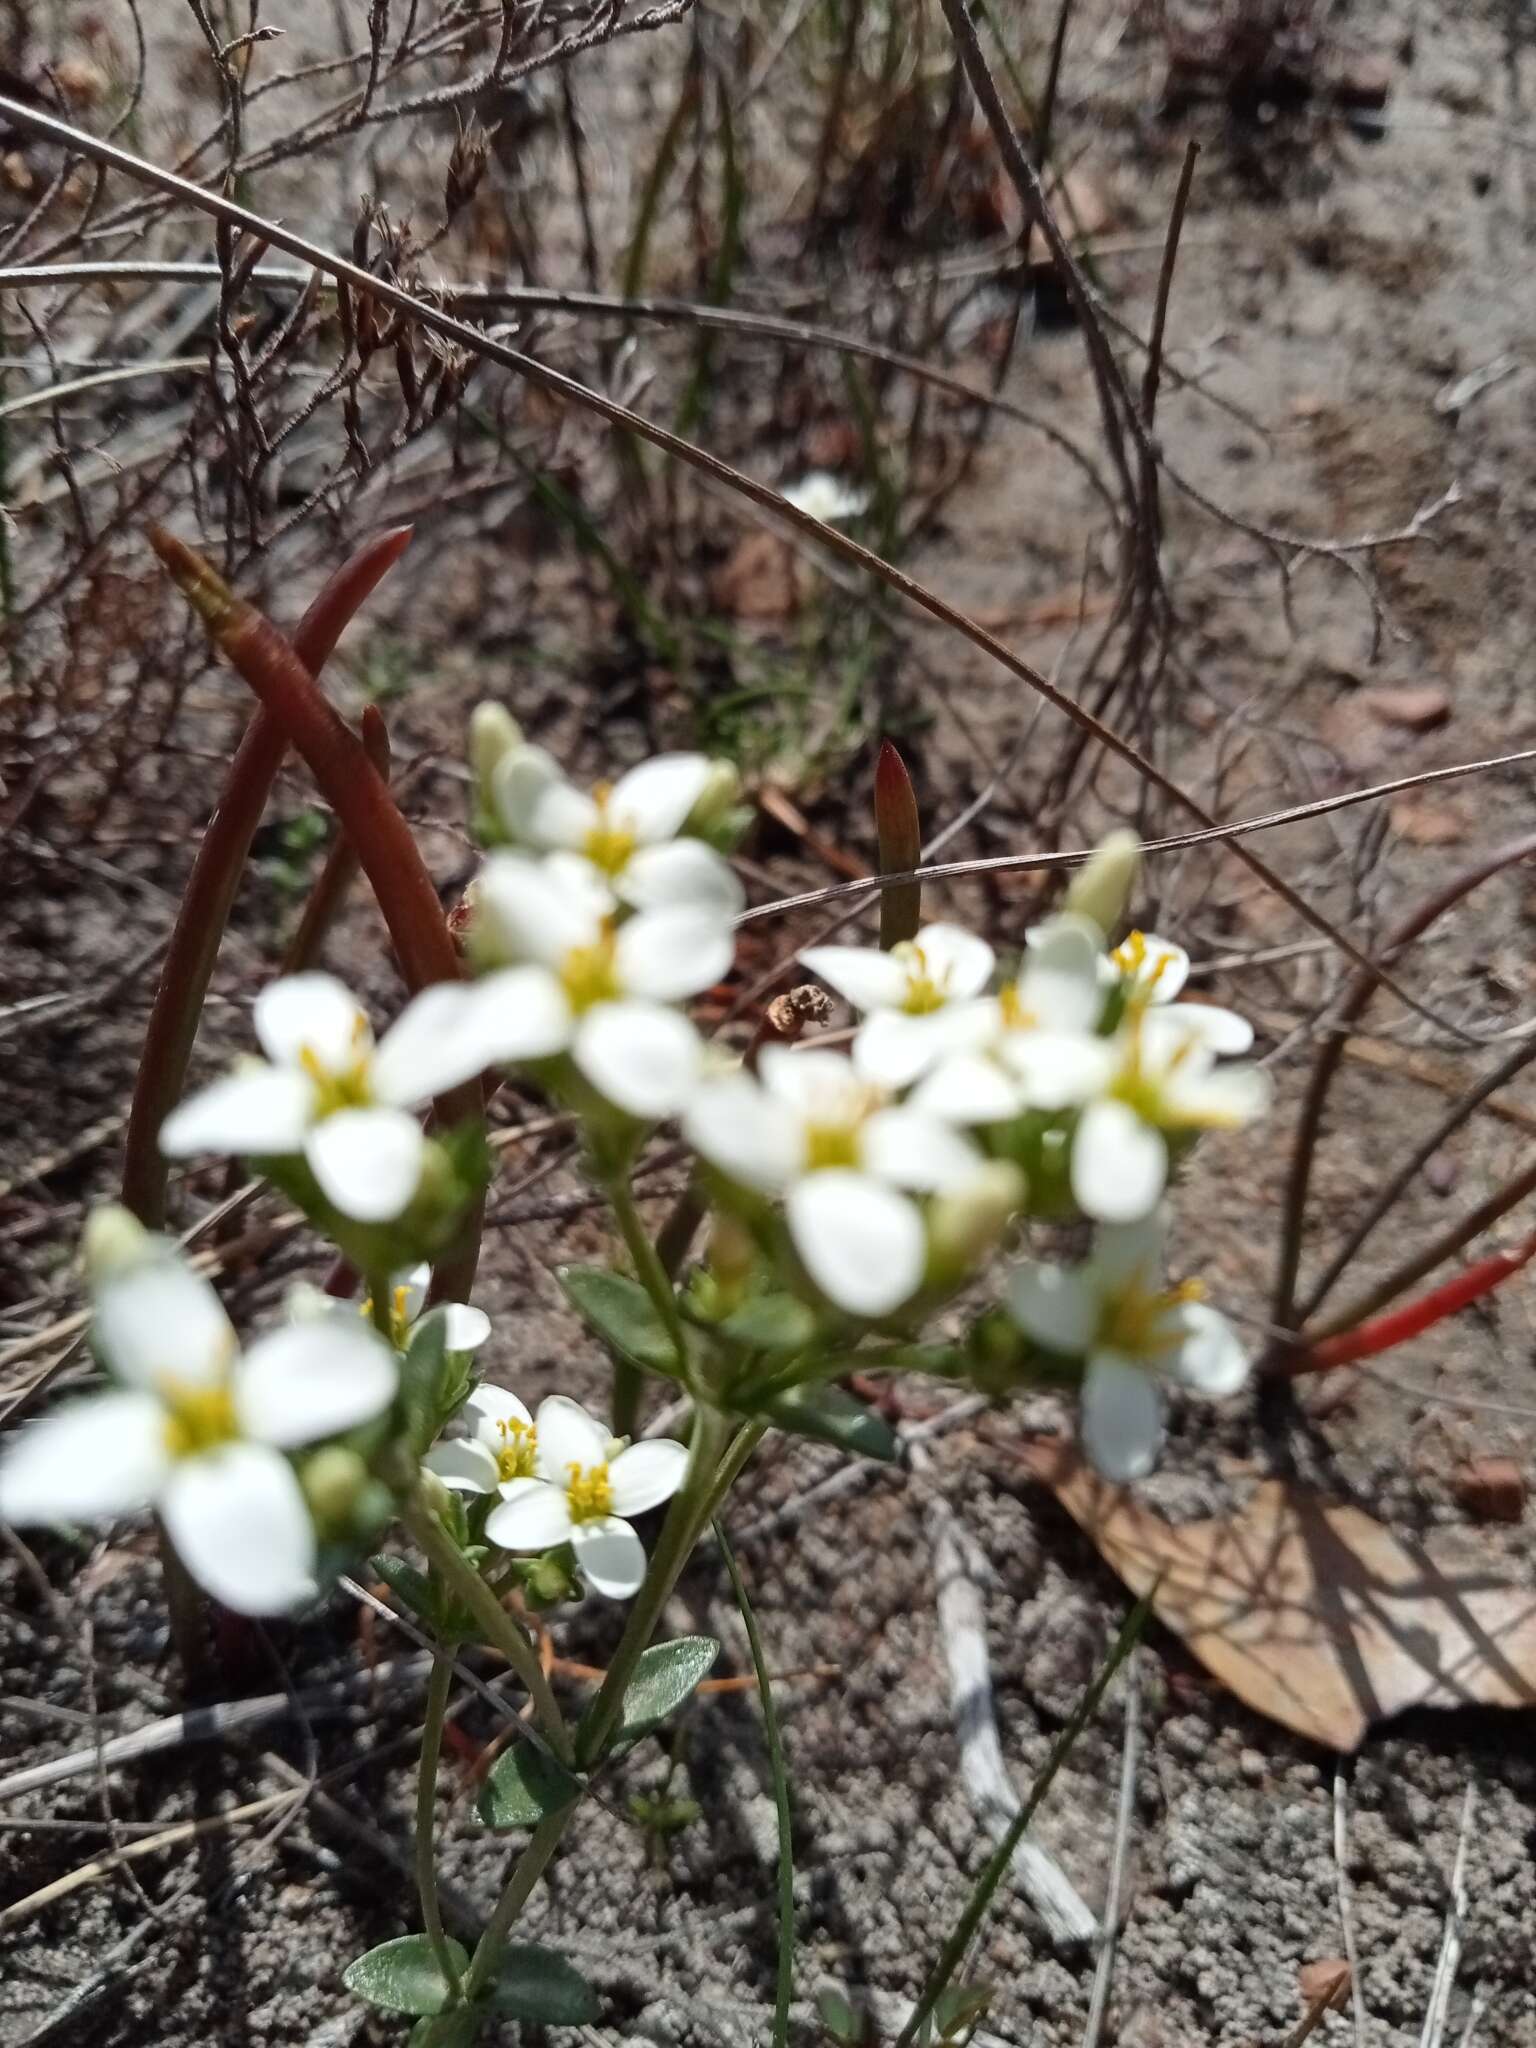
{"x": 1383, "y": 1333}
{"x": 900, "y": 837}
{"x": 215, "y": 879}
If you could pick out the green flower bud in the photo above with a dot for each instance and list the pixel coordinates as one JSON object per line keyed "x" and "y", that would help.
{"x": 114, "y": 1239}
{"x": 493, "y": 734}
{"x": 716, "y": 801}
{"x": 1101, "y": 889}
{"x": 332, "y": 1481}
{"x": 965, "y": 1222}
{"x": 549, "y": 1579}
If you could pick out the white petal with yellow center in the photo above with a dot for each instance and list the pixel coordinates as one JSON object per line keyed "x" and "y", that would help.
{"x": 527, "y": 910}
{"x": 454, "y": 1031}
{"x": 157, "y": 1323}
{"x": 464, "y": 1465}
{"x": 536, "y": 803}
{"x": 968, "y": 1088}
{"x": 667, "y": 955}
{"x": 646, "y": 1474}
{"x": 532, "y": 1514}
{"x": 893, "y": 1049}
{"x": 610, "y": 1557}
{"x": 568, "y": 1436}
{"x": 1209, "y": 1356}
{"x": 1119, "y": 1164}
{"x": 312, "y": 1017}
{"x": 741, "y": 1129}
{"x": 240, "y": 1524}
{"x": 911, "y": 1150}
{"x": 312, "y": 1380}
{"x": 257, "y": 1111}
{"x": 653, "y": 799}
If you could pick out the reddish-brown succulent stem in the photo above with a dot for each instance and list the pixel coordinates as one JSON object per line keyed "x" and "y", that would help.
{"x": 215, "y": 878}
{"x": 901, "y": 846}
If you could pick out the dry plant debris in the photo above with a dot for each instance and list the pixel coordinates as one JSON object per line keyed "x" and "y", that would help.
{"x": 1310, "y": 1610}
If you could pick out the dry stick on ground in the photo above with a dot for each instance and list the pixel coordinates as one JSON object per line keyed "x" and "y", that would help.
{"x": 958, "y": 1572}
{"x": 31, "y": 120}
{"x": 1345, "y": 1897}
{"x": 1451, "y": 1943}
{"x": 1114, "y": 1901}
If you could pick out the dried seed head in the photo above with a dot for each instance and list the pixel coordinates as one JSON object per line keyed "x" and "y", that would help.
{"x": 466, "y": 167}
{"x": 792, "y": 1014}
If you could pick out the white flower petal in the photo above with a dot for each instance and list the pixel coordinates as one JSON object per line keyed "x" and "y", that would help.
{"x": 1057, "y": 1069}
{"x": 456, "y": 1030}
{"x": 88, "y": 1460}
{"x": 314, "y": 1014}
{"x": 157, "y": 1321}
{"x": 666, "y": 955}
{"x": 682, "y": 873}
{"x": 610, "y": 1556}
{"x": 536, "y": 803}
{"x": 914, "y": 1151}
{"x": 568, "y": 1436}
{"x": 1225, "y": 1099}
{"x": 861, "y": 1242}
{"x": 819, "y": 1085}
{"x": 486, "y": 1407}
{"x": 861, "y": 975}
{"x": 1059, "y": 988}
{"x": 653, "y": 800}
{"x": 968, "y": 1088}
{"x": 1122, "y": 1418}
{"x": 1123, "y": 1252}
{"x": 642, "y": 1058}
{"x": 1058, "y": 1307}
{"x": 956, "y": 960}
{"x": 647, "y": 1474}
{"x": 1119, "y": 1164}
{"x": 467, "y": 1328}
{"x": 1218, "y": 1030}
{"x": 257, "y": 1111}
{"x": 739, "y": 1128}
{"x": 1211, "y": 1358}
{"x": 242, "y": 1528}
{"x": 464, "y": 1465}
{"x": 893, "y": 1049}
{"x": 528, "y": 910}
{"x": 312, "y": 1380}
{"x": 367, "y": 1161}
{"x": 1164, "y": 968}
{"x": 531, "y": 1515}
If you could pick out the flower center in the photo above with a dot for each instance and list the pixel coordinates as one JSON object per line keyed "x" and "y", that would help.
{"x": 1139, "y": 966}
{"x": 1016, "y": 1016}
{"x": 1138, "y": 1322}
{"x": 343, "y": 1087}
{"x": 197, "y": 1418}
{"x": 590, "y": 974}
{"x": 925, "y": 991}
{"x": 608, "y": 843}
{"x": 519, "y": 1449}
{"x": 589, "y": 1493}
{"x": 399, "y": 1315}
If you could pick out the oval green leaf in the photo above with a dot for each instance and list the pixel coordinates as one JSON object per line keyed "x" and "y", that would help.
{"x": 833, "y": 1417}
{"x": 525, "y": 1786}
{"x": 665, "y": 1675}
{"x": 403, "y": 1976}
{"x": 456, "y": 2029}
{"x": 773, "y": 1322}
{"x": 537, "y": 1985}
{"x": 621, "y": 1315}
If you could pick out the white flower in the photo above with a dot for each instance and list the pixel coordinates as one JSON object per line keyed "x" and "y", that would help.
{"x": 843, "y": 1158}
{"x": 920, "y": 998}
{"x": 327, "y": 1091}
{"x": 1151, "y": 969}
{"x": 825, "y": 497}
{"x": 1164, "y": 1083}
{"x": 466, "y": 1328}
{"x": 565, "y": 1480}
{"x": 626, "y": 832}
{"x": 1115, "y": 1314}
{"x": 198, "y": 1430}
{"x": 591, "y": 986}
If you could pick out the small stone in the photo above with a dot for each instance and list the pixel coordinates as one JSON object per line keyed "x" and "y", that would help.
{"x": 1366, "y": 82}
{"x": 1491, "y": 1489}
{"x": 1441, "y": 1173}
{"x": 1252, "y": 1765}
{"x": 1418, "y": 706}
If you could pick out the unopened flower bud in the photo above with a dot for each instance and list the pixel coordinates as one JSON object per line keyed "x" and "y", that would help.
{"x": 1101, "y": 889}
{"x": 114, "y": 1238}
{"x": 966, "y": 1222}
{"x": 493, "y": 734}
{"x": 332, "y": 1480}
{"x": 548, "y": 1581}
{"x": 715, "y": 800}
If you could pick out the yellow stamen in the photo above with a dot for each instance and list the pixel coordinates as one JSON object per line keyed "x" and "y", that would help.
{"x": 831, "y": 1145}
{"x": 589, "y": 1493}
{"x": 1131, "y": 956}
{"x": 519, "y": 1449}
{"x": 607, "y": 845}
{"x": 341, "y": 1087}
{"x": 925, "y": 991}
{"x": 1016, "y": 1017}
{"x": 1138, "y": 1322}
{"x": 589, "y": 974}
{"x": 197, "y": 1418}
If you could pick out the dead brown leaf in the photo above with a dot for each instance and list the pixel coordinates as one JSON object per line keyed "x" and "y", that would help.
{"x": 759, "y": 579}
{"x": 1428, "y": 824}
{"x": 1311, "y": 1611}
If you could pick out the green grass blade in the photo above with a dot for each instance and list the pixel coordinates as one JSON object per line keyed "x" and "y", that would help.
{"x": 986, "y": 1885}
{"x": 786, "y": 1977}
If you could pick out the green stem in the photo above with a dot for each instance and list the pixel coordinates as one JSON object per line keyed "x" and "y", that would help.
{"x": 628, "y": 1380}
{"x": 501, "y": 1631}
{"x": 526, "y": 1873}
{"x": 709, "y": 1478}
{"x": 426, "y": 1817}
{"x": 380, "y": 1303}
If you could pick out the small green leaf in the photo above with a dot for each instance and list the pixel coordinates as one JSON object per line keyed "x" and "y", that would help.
{"x": 456, "y": 2029}
{"x": 833, "y": 1417}
{"x": 535, "y": 1984}
{"x": 403, "y": 1976}
{"x": 421, "y": 1377}
{"x": 841, "y": 2018}
{"x": 774, "y": 1322}
{"x": 413, "y": 1589}
{"x": 525, "y": 1787}
{"x": 665, "y": 1675}
{"x": 620, "y": 1313}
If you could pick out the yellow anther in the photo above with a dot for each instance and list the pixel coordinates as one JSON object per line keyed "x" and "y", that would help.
{"x": 519, "y": 1449}
{"x": 831, "y": 1145}
{"x": 589, "y": 1493}
{"x": 607, "y": 845}
{"x": 589, "y": 974}
{"x": 1016, "y": 1015}
{"x": 925, "y": 991}
{"x": 338, "y": 1087}
{"x": 1136, "y": 963}
{"x": 197, "y": 1418}
{"x": 1139, "y": 1322}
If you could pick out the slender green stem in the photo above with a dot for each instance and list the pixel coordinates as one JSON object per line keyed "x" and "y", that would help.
{"x": 687, "y": 1517}
{"x": 976, "y": 1905}
{"x": 784, "y": 1989}
{"x": 501, "y": 1631}
{"x": 649, "y": 1270}
{"x": 426, "y": 1817}
{"x": 526, "y": 1872}
{"x": 380, "y": 1303}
